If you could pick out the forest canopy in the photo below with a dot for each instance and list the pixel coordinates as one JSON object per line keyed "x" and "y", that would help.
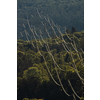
{"x": 33, "y": 79}
{"x": 50, "y": 49}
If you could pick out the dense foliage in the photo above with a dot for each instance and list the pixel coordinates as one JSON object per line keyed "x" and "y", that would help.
{"x": 63, "y": 12}
{"x": 33, "y": 79}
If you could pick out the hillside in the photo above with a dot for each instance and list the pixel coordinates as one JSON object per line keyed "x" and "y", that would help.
{"x": 65, "y": 13}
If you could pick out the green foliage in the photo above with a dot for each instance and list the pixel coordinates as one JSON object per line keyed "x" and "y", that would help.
{"x": 33, "y": 73}
{"x": 33, "y": 79}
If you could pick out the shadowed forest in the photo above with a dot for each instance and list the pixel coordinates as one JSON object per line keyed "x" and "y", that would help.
{"x": 63, "y": 12}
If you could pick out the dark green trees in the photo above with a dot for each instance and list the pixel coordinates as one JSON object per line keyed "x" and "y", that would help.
{"x": 73, "y": 30}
